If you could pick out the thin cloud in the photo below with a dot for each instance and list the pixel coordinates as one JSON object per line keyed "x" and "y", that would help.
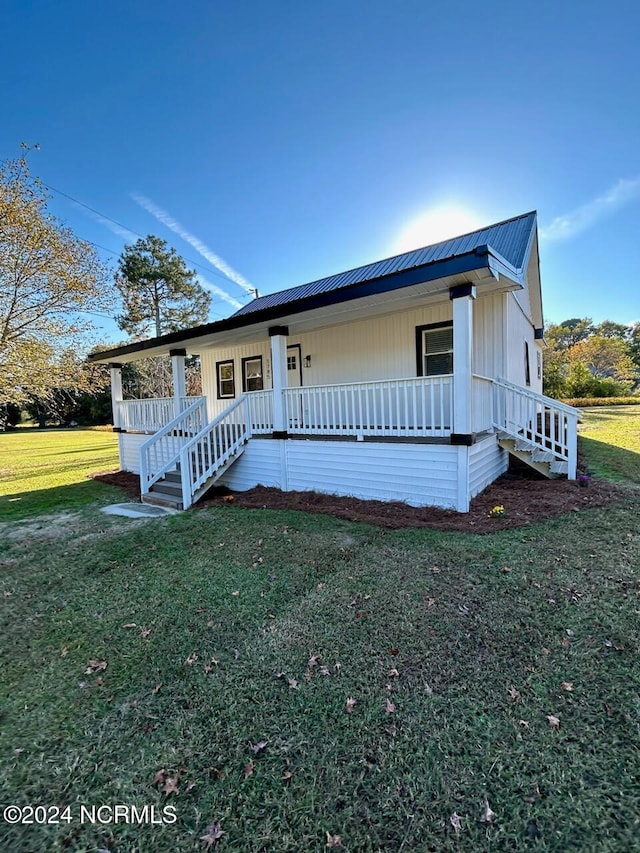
{"x": 218, "y": 291}
{"x": 200, "y": 247}
{"x": 119, "y": 230}
{"x": 583, "y": 217}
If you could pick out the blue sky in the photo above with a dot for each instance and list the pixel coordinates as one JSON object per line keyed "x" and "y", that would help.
{"x": 299, "y": 139}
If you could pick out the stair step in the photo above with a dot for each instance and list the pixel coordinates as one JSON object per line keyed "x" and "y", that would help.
{"x": 162, "y": 500}
{"x": 165, "y": 488}
{"x": 173, "y": 477}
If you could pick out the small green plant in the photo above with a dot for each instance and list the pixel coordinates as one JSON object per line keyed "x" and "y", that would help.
{"x": 497, "y": 512}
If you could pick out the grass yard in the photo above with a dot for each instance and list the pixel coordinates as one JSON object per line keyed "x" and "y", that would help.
{"x": 295, "y": 682}
{"x": 611, "y": 439}
{"x": 46, "y": 470}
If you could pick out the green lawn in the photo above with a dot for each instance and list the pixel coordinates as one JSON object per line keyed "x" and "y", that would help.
{"x": 611, "y": 440}
{"x": 500, "y": 668}
{"x": 46, "y": 470}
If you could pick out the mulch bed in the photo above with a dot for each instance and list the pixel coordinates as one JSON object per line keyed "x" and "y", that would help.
{"x": 526, "y": 496}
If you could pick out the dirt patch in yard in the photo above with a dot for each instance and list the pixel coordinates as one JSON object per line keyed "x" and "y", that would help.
{"x": 526, "y": 496}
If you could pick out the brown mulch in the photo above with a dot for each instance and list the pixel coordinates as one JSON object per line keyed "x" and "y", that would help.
{"x": 526, "y": 497}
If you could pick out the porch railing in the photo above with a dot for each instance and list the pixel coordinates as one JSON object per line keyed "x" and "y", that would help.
{"x": 212, "y": 448}
{"x": 150, "y": 414}
{"x": 418, "y": 407}
{"x": 481, "y": 403}
{"x": 161, "y": 452}
{"x": 540, "y": 421}
{"x": 260, "y": 406}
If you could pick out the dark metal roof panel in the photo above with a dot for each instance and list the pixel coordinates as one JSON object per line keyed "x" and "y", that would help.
{"x": 510, "y": 239}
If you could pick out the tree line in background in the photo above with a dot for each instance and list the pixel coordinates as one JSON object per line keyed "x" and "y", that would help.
{"x": 583, "y": 359}
{"x": 52, "y": 284}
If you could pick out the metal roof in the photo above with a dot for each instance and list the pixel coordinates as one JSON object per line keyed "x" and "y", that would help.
{"x": 509, "y": 239}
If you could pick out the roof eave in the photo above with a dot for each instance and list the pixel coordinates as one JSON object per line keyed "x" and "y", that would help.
{"x": 483, "y": 257}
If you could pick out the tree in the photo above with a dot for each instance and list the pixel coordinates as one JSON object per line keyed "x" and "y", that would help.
{"x": 569, "y": 332}
{"x": 158, "y": 292}
{"x": 48, "y": 278}
{"x": 609, "y": 329}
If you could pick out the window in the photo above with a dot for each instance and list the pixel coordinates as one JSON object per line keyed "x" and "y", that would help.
{"x": 434, "y": 349}
{"x": 527, "y": 369}
{"x": 539, "y": 363}
{"x": 292, "y": 362}
{"x": 226, "y": 380}
{"x": 252, "y": 376}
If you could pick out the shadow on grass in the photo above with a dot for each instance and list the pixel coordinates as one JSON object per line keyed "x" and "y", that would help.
{"x": 19, "y": 505}
{"x": 607, "y": 460}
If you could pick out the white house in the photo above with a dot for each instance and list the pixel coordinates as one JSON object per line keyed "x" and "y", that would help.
{"x": 408, "y": 379}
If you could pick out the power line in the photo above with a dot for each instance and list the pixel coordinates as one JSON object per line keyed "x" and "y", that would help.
{"x": 131, "y": 230}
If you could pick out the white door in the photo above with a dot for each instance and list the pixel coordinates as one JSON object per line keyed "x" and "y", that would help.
{"x": 294, "y": 380}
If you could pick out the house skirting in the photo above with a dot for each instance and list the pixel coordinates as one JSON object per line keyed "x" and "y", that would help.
{"x": 417, "y": 474}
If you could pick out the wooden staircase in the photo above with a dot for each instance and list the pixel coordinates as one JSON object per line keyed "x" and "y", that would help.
{"x": 543, "y": 461}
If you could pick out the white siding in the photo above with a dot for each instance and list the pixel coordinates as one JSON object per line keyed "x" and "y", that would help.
{"x": 129, "y": 444}
{"x": 520, "y": 329}
{"x": 418, "y": 474}
{"x": 488, "y": 338}
{"x": 487, "y": 460}
{"x": 369, "y": 349}
{"x": 259, "y": 465}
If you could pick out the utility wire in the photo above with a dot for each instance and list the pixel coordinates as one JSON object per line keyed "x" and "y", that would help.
{"x": 210, "y": 270}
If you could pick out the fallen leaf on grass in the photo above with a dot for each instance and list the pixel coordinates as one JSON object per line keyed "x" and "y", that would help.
{"x": 156, "y": 689}
{"x": 514, "y": 694}
{"x": 393, "y": 673}
{"x": 293, "y": 684}
{"x": 313, "y": 660}
{"x": 455, "y": 822}
{"x": 145, "y": 633}
{"x": 171, "y": 786}
{"x": 257, "y": 748}
{"x": 523, "y": 723}
{"x": 554, "y": 722}
{"x": 248, "y": 769}
{"x": 64, "y": 651}
{"x": 350, "y": 704}
{"x": 324, "y": 670}
{"x": 566, "y": 685}
{"x": 130, "y": 625}
{"x": 488, "y": 814}
{"x": 389, "y": 706}
{"x": 191, "y": 659}
{"x": 159, "y": 777}
{"x": 334, "y": 840}
{"x": 286, "y": 775}
{"x": 214, "y": 833}
{"x": 236, "y": 593}
{"x": 95, "y": 666}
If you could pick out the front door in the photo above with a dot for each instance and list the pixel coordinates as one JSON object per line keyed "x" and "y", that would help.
{"x": 294, "y": 380}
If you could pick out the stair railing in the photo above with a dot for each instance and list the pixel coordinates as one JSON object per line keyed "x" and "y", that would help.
{"x": 161, "y": 452}
{"x": 542, "y": 422}
{"x": 208, "y": 451}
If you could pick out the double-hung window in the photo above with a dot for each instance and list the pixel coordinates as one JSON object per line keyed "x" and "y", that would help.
{"x": 226, "y": 380}
{"x": 252, "y": 376}
{"x": 434, "y": 349}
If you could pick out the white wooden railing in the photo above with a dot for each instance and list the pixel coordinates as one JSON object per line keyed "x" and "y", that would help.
{"x": 150, "y": 414}
{"x": 420, "y": 407}
{"x": 540, "y": 421}
{"x": 481, "y": 404}
{"x": 161, "y": 452}
{"x": 215, "y": 445}
{"x": 260, "y": 411}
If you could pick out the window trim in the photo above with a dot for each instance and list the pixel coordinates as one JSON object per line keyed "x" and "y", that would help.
{"x": 244, "y": 376}
{"x": 420, "y": 330}
{"x": 527, "y": 365}
{"x": 220, "y": 395}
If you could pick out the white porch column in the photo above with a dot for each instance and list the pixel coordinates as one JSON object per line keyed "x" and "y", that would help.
{"x": 115, "y": 371}
{"x": 462, "y": 297}
{"x": 279, "y": 336}
{"x": 179, "y": 378}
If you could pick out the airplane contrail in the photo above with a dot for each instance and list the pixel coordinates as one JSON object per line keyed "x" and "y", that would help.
{"x": 200, "y": 247}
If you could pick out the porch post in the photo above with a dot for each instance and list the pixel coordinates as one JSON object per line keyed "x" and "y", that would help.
{"x": 462, "y": 297}
{"x": 278, "y": 336}
{"x": 115, "y": 371}
{"x": 179, "y": 380}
